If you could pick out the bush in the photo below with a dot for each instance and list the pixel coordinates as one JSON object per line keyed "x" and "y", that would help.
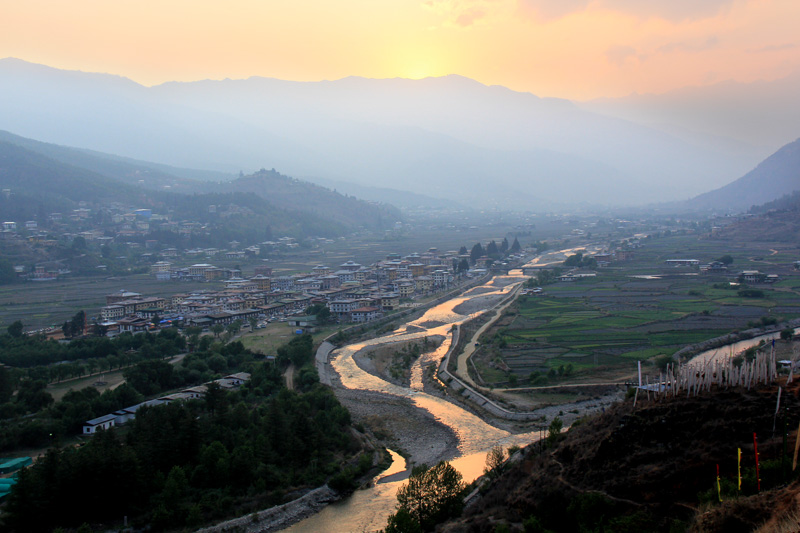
{"x": 751, "y": 293}
{"x": 344, "y": 481}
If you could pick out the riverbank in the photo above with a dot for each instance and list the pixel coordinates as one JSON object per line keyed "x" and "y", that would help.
{"x": 392, "y": 362}
{"x": 281, "y": 516}
{"x": 400, "y": 425}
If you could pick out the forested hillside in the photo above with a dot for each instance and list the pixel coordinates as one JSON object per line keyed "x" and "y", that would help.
{"x": 263, "y": 203}
{"x": 176, "y": 465}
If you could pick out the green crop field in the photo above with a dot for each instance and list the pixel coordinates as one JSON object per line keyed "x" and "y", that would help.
{"x": 597, "y": 324}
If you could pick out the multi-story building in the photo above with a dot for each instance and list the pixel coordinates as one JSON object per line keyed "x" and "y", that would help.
{"x": 343, "y": 308}
{"x": 365, "y": 314}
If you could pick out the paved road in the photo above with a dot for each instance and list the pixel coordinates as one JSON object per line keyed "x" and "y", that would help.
{"x": 462, "y": 369}
{"x": 323, "y": 352}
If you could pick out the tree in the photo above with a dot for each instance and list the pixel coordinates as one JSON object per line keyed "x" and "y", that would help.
{"x": 477, "y": 252}
{"x": 432, "y": 495}
{"x": 193, "y": 330}
{"x": 216, "y": 399}
{"x": 78, "y": 323}
{"x": 234, "y": 327}
{"x": 32, "y": 395}
{"x": 504, "y": 246}
{"x": 402, "y": 522}
{"x": 15, "y": 329}
{"x": 462, "y": 250}
{"x": 515, "y": 247}
{"x": 494, "y": 462}
{"x": 6, "y": 385}
{"x": 321, "y": 311}
{"x": 787, "y": 334}
{"x": 99, "y": 330}
{"x": 725, "y": 259}
{"x": 216, "y": 329}
{"x": 554, "y": 431}
{"x": 78, "y": 243}
{"x": 7, "y": 273}
{"x": 492, "y": 250}
{"x": 574, "y": 260}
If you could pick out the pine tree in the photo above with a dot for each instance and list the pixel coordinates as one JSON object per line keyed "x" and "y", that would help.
{"x": 504, "y": 246}
{"x": 477, "y": 252}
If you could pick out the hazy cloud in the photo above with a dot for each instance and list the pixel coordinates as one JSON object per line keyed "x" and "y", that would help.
{"x": 555, "y": 9}
{"x": 773, "y": 48}
{"x": 618, "y": 55}
{"x": 708, "y": 44}
{"x": 673, "y": 10}
{"x": 462, "y": 13}
{"x": 468, "y": 17}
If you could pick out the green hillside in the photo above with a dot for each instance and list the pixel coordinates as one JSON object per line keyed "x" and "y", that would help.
{"x": 40, "y": 181}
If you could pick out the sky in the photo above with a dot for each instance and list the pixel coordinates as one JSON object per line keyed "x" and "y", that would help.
{"x": 577, "y": 49}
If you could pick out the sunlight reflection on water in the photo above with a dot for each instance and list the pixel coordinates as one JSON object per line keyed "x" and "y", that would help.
{"x": 367, "y": 510}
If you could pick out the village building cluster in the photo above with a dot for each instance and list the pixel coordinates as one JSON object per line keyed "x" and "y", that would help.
{"x": 352, "y": 292}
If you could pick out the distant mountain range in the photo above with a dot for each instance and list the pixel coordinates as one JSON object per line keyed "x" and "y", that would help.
{"x": 38, "y": 184}
{"x": 776, "y": 176}
{"x": 756, "y": 117}
{"x": 450, "y": 138}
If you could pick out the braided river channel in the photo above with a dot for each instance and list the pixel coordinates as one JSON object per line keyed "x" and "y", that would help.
{"x": 368, "y": 509}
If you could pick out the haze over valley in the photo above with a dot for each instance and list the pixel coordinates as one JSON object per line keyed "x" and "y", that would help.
{"x": 510, "y": 266}
{"x": 430, "y": 136}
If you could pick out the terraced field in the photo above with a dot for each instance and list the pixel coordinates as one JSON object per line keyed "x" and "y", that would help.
{"x": 580, "y": 329}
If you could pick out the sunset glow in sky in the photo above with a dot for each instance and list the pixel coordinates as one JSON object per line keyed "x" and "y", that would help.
{"x": 567, "y": 48}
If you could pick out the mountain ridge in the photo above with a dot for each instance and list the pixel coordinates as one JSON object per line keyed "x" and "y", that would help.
{"x": 40, "y": 184}
{"x": 390, "y": 133}
{"x": 775, "y": 176}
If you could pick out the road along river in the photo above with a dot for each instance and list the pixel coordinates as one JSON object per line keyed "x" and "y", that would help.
{"x": 367, "y": 510}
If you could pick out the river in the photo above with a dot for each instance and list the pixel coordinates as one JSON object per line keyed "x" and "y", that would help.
{"x": 368, "y": 510}
{"x": 732, "y": 350}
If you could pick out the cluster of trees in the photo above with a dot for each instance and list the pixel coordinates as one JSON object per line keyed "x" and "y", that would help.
{"x": 322, "y": 312}
{"x": 492, "y": 250}
{"x": 51, "y": 421}
{"x": 459, "y": 267}
{"x": 580, "y": 261}
{"x": 55, "y": 421}
{"x": 544, "y": 277}
{"x": 76, "y": 326}
{"x": 542, "y": 378}
{"x": 23, "y": 351}
{"x": 184, "y": 464}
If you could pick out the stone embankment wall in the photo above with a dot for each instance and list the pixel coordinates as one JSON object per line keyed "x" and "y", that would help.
{"x": 278, "y": 517}
{"x": 464, "y": 390}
